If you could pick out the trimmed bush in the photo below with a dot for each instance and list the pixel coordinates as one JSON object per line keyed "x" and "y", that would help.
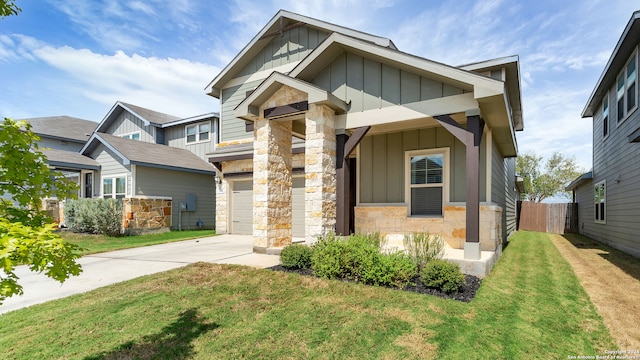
{"x": 94, "y": 216}
{"x": 395, "y": 269}
{"x": 423, "y": 248}
{"x": 443, "y": 275}
{"x": 359, "y": 258}
{"x": 296, "y": 256}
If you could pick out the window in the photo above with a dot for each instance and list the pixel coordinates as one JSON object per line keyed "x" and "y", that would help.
{"x": 114, "y": 187}
{"x": 88, "y": 185}
{"x": 627, "y": 89}
{"x": 132, "y": 136}
{"x": 605, "y": 116}
{"x": 426, "y": 179}
{"x": 600, "y": 197}
{"x": 198, "y": 132}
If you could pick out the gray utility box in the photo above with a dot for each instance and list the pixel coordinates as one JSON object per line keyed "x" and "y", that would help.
{"x": 191, "y": 202}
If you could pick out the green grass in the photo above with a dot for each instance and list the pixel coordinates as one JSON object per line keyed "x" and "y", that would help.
{"x": 100, "y": 243}
{"x": 531, "y": 306}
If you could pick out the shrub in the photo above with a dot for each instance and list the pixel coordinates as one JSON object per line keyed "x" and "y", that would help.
{"x": 326, "y": 260}
{"x": 296, "y": 256}
{"x": 423, "y": 248}
{"x": 94, "y": 216}
{"x": 442, "y": 275}
{"x": 395, "y": 269}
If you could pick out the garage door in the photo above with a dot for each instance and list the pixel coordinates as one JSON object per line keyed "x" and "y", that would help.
{"x": 242, "y": 212}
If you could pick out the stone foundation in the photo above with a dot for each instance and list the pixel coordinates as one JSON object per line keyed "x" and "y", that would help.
{"x": 143, "y": 215}
{"x": 393, "y": 222}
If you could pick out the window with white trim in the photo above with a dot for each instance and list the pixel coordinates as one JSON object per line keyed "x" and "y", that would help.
{"x": 600, "y": 200}
{"x": 114, "y": 187}
{"x": 425, "y": 182}
{"x": 627, "y": 88}
{"x": 198, "y": 132}
{"x": 605, "y": 116}
{"x": 132, "y": 136}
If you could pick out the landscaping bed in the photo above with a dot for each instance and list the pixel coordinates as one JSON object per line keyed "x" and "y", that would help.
{"x": 465, "y": 294}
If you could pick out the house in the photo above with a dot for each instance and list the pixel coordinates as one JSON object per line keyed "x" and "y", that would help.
{"x": 325, "y": 128}
{"x": 151, "y": 160}
{"x": 608, "y": 196}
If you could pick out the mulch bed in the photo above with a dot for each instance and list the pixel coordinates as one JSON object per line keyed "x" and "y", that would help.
{"x": 468, "y": 292}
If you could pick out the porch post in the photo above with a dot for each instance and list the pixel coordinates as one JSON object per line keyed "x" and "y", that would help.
{"x": 475, "y": 126}
{"x": 471, "y": 138}
{"x": 319, "y": 172}
{"x": 345, "y": 146}
{"x": 271, "y": 185}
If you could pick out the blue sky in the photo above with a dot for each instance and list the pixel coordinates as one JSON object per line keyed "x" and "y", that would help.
{"x": 78, "y": 57}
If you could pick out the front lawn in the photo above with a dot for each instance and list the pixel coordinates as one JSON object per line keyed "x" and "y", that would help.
{"x": 100, "y": 243}
{"x": 531, "y": 306}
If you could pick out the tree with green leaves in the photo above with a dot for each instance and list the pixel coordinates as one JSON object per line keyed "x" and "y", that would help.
{"x": 543, "y": 182}
{"x": 27, "y": 233}
{"x": 8, "y": 8}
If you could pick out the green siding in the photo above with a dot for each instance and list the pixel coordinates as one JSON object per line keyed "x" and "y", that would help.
{"x": 110, "y": 165}
{"x": 382, "y": 160}
{"x": 369, "y": 84}
{"x": 231, "y": 127}
{"x": 293, "y": 45}
{"x": 127, "y": 123}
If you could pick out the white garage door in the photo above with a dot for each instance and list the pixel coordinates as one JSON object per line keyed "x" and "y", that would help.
{"x": 242, "y": 208}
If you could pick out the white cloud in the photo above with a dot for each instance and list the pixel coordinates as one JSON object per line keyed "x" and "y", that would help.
{"x": 173, "y": 86}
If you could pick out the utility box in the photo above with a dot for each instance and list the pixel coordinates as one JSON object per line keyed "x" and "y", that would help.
{"x": 191, "y": 202}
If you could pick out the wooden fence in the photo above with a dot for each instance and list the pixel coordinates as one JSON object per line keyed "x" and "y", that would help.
{"x": 550, "y": 218}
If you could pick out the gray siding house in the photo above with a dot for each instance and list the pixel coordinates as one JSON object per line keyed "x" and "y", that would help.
{"x": 151, "y": 160}
{"x": 608, "y": 197}
{"x": 325, "y": 128}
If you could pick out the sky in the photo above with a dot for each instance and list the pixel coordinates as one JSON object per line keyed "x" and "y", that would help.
{"x": 78, "y": 57}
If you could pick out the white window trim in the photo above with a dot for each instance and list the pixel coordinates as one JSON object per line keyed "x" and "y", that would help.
{"x": 604, "y": 183}
{"x": 606, "y": 98}
{"x": 623, "y": 73}
{"x": 197, "y": 126}
{"x": 407, "y": 177}
{"x": 113, "y": 188}
{"x": 128, "y": 135}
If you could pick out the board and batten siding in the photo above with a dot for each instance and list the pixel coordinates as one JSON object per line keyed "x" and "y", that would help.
{"x": 110, "y": 165}
{"x": 175, "y": 137}
{"x": 369, "y": 84}
{"x": 177, "y": 184}
{"x": 293, "y": 45}
{"x": 382, "y": 158}
{"x": 615, "y": 158}
{"x": 127, "y": 123}
{"x": 290, "y": 46}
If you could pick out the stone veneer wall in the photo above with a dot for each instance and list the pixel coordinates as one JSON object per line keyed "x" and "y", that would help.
{"x": 146, "y": 214}
{"x": 393, "y": 222}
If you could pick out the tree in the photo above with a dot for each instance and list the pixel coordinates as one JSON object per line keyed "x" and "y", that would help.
{"x": 27, "y": 235}
{"x": 8, "y": 8}
{"x": 542, "y": 183}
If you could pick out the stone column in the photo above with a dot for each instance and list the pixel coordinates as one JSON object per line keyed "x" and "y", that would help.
{"x": 271, "y": 185}
{"x": 320, "y": 172}
{"x": 221, "y": 207}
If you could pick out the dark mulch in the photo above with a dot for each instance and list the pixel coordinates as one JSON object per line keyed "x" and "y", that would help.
{"x": 468, "y": 292}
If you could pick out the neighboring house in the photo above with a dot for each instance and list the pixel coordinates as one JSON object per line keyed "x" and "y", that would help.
{"x": 325, "y": 128}
{"x": 609, "y": 195}
{"x": 151, "y": 160}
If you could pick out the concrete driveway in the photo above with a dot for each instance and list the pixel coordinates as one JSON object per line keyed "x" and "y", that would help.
{"x": 116, "y": 266}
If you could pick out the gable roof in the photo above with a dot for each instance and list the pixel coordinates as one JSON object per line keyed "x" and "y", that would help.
{"x": 511, "y": 64}
{"x": 336, "y": 43}
{"x": 282, "y": 21}
{"x": 625, "y": 46}
{"x": 148, "y": 117}
{"x": 63, "y": 128}
{"x": 149, "y": 154}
